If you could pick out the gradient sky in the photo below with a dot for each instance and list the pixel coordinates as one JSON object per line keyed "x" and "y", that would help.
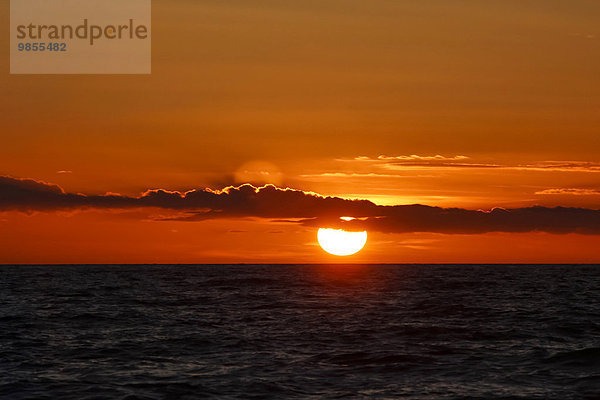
{"x": 469, "y": 104}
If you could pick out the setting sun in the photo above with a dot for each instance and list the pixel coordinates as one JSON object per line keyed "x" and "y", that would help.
{"x": 341, "y": 243}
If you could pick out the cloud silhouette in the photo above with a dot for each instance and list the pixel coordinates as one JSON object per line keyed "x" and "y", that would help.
{"x": 309, "y": 209}
{"x": 266, "y": 201}
{"x": 420, "y": 218}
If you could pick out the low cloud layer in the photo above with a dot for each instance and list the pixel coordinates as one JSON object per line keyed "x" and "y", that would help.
{"x": 306, "y": 208}
{"x": 246, "y": 200}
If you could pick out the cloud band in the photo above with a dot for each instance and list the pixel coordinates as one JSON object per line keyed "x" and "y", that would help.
{"x": 307, "y": 208}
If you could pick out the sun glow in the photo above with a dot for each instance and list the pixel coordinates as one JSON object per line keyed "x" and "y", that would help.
{"x": 341, "y": 243}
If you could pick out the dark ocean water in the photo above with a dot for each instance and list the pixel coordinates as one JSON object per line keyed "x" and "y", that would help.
{"x": 320, "y": 331}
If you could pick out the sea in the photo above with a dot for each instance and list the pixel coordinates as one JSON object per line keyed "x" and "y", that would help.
{"x": 300, "y": 331}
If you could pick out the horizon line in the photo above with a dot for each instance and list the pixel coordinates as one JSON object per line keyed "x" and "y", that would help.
{"x": 285, "y": 264}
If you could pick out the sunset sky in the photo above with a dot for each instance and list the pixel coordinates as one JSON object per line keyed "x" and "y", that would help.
{"x": 476, "y": 105}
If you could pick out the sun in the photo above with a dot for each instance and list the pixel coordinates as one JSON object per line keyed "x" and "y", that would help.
{"x": 341, "y": 243}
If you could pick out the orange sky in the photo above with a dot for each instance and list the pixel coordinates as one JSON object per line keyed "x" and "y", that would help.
{"x": 448, "y": 103}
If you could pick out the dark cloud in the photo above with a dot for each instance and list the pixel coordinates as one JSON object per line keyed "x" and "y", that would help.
{"x": 245, "y": 200}
{"x": 296, "y": 206}
{"x": 31, "y": 195}
{"x": 419, "y": 218}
